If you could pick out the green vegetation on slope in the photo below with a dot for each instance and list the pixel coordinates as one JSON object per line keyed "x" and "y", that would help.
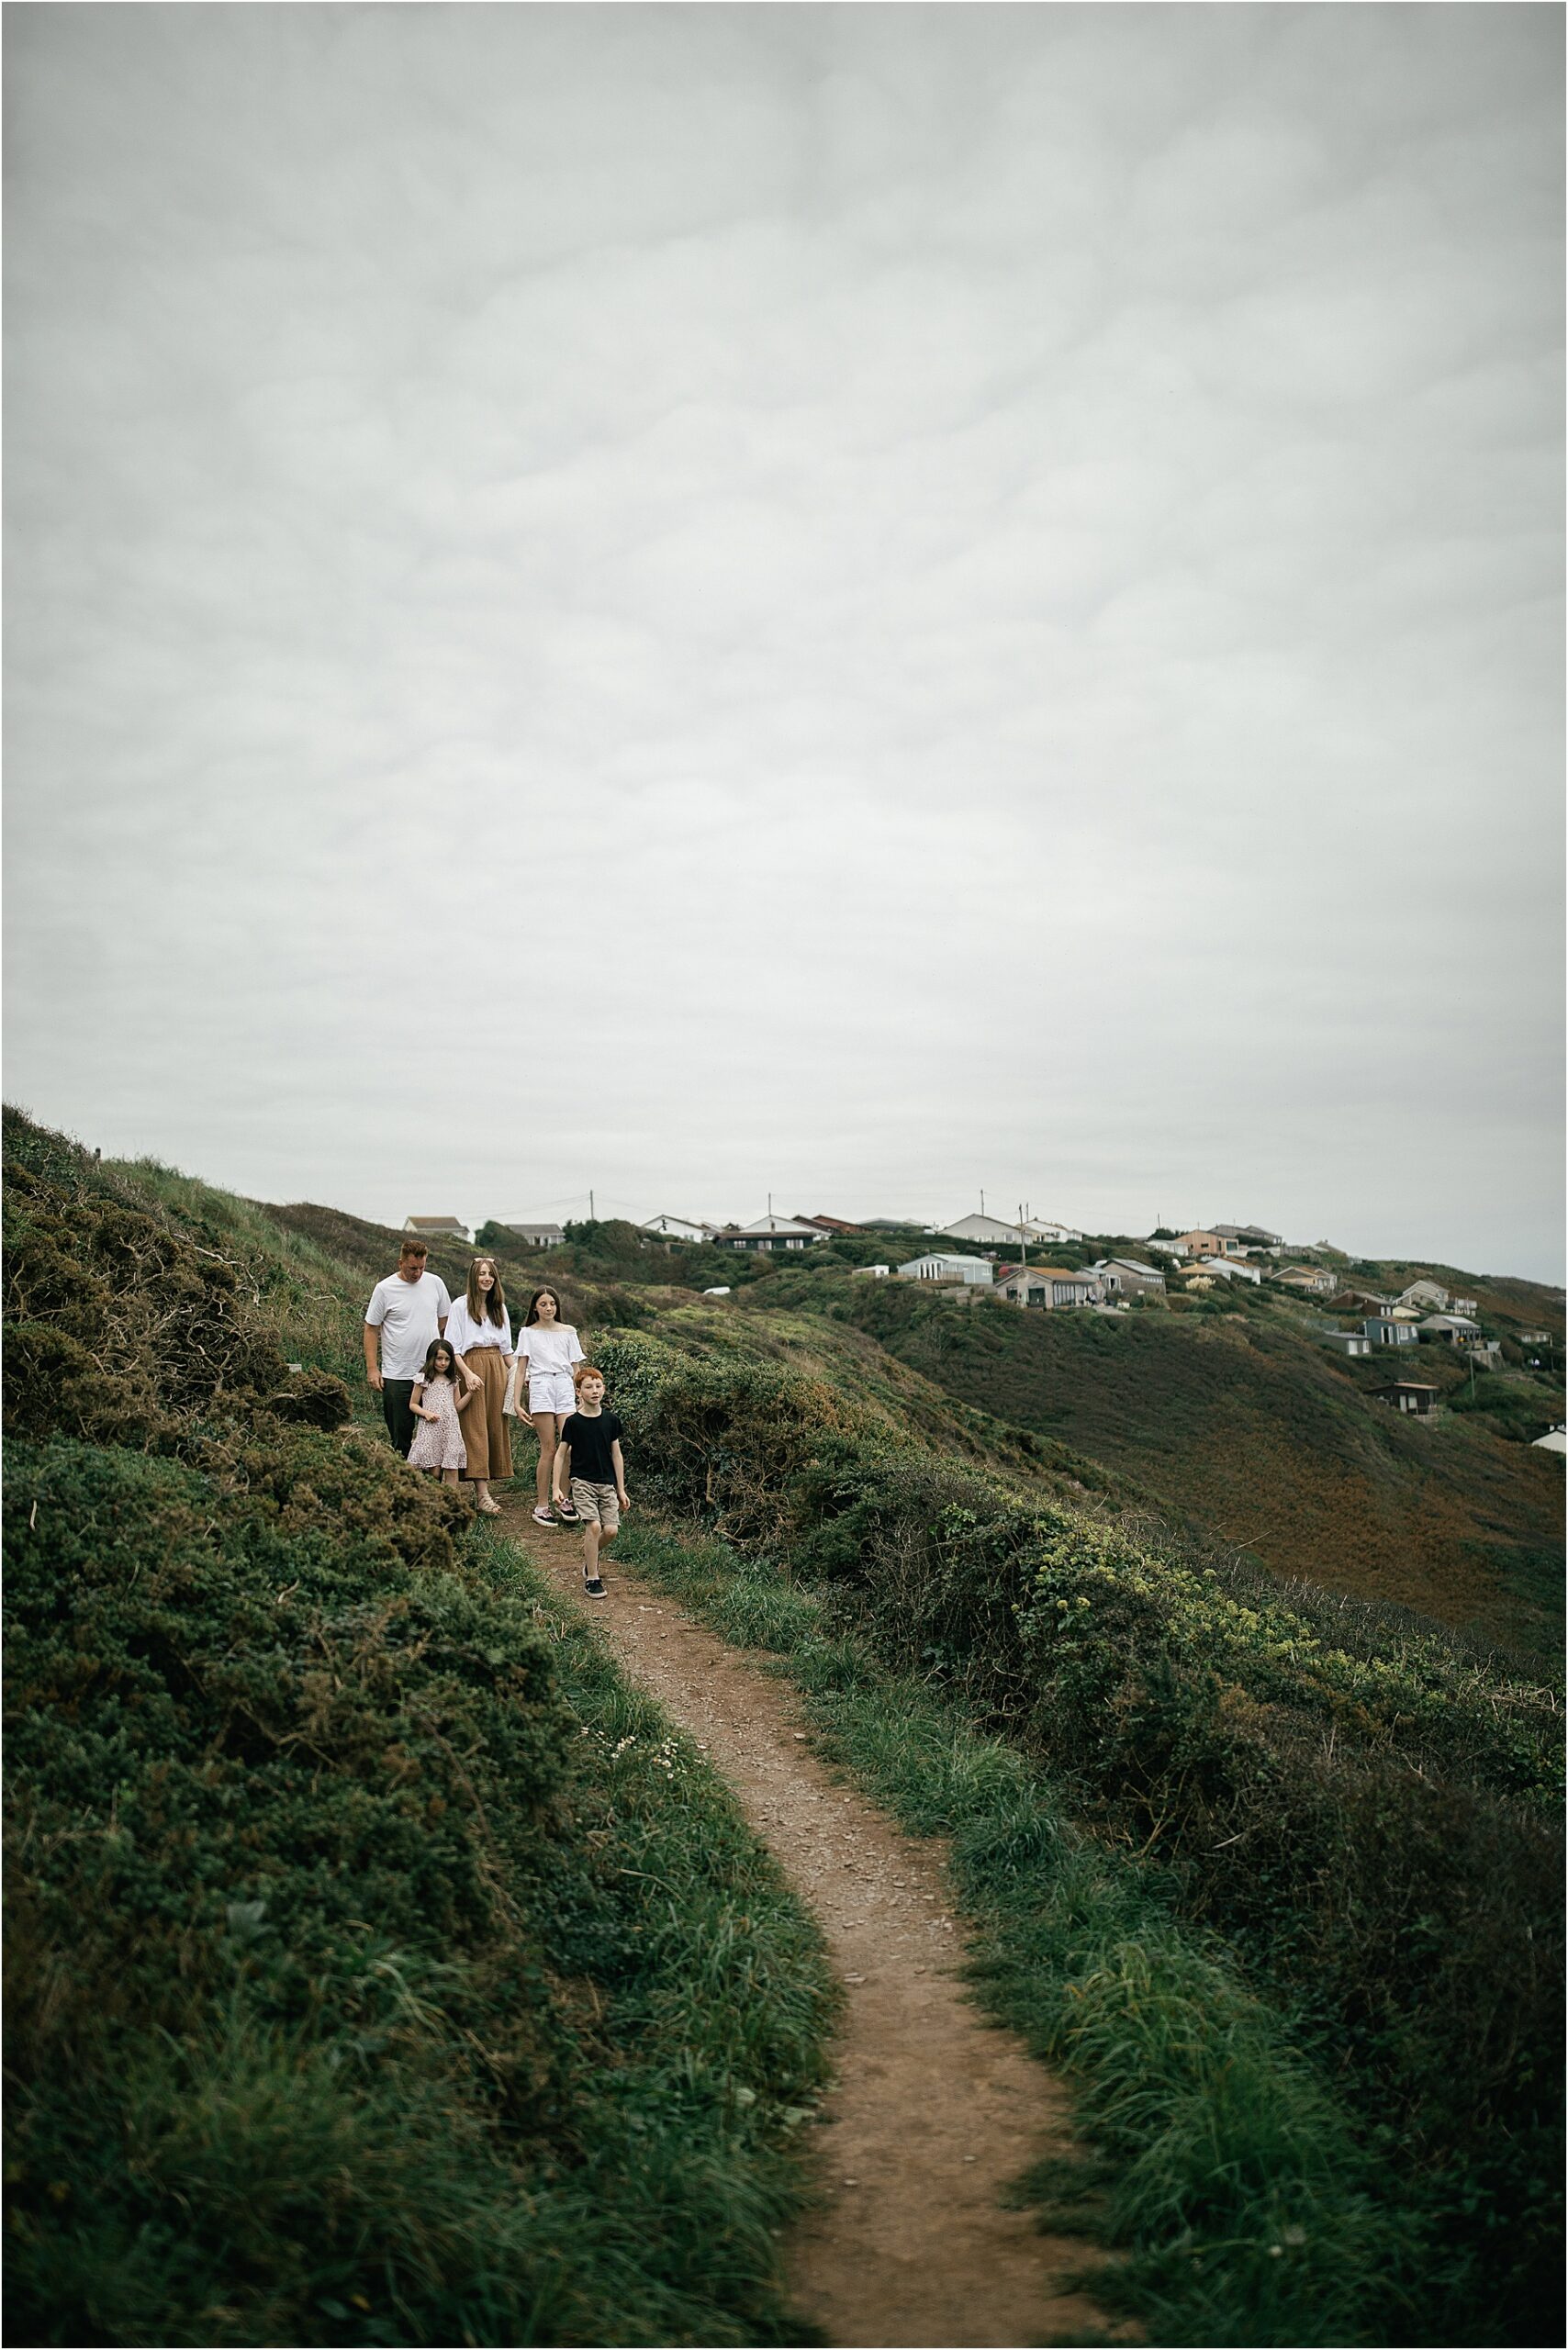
{"x": 1301, "y": 1946}
{"x": 381, "y": 1969}
{"x": 1237, "y": 1421}
{"x": 1365, "y": 1812}
{"x": 1224, "y": 2169}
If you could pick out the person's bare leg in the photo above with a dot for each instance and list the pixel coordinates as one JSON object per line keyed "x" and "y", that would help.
{"x": 547, "y": 1429}
{"x": 590, "y": 1551}
{"x": 449, "y": 1477}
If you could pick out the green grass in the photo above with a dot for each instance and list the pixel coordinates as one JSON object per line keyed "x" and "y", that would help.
{"x": 381, "y": 1966}
{"x": 1235, "y": 2185}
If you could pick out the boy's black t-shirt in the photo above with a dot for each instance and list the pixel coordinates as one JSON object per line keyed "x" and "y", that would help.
{"x": 591, "y": 1441}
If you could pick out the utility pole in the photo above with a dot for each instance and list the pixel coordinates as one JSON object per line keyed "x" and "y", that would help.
{"x": 982, "y": 1199}
{"x": 1023, "y": 1240}
{"x": 592, "y": 1217}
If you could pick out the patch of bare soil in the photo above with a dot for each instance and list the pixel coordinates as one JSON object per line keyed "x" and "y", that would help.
{"x": 933, "y": 2110}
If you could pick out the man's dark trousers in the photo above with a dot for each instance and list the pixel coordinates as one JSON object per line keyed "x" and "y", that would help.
{"x": 399, "y": 1414}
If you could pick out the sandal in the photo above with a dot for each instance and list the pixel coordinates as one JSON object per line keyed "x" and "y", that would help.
{"x": 489, "y": 1508}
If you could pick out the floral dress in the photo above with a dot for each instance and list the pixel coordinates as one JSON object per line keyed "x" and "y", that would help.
{"x": 438, "y": 1444}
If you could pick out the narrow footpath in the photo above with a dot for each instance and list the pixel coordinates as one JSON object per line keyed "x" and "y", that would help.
{"x": 933, "y": 2110}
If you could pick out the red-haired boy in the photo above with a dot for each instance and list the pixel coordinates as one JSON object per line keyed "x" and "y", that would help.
{"x": 589, "y": 1465}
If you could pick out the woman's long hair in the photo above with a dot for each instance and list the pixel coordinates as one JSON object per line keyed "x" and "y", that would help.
{"x": 532, "y": 1314}
{"x": 494, "y": 1305}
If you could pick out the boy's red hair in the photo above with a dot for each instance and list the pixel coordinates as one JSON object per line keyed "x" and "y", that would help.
{"x": 581, "y": 1370}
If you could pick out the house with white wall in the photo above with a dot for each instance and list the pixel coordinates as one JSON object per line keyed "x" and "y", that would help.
{"x": 1050, "y": 1286}
{"x": 974, "y": 1272}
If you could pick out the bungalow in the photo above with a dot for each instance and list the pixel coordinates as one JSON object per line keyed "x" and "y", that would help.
{"x": 1231, "y": 1269}
{"x": 1409, "y": 1395}
{"x": 675, "y": 1228}
{"x": 988, "y": 1231}
{"x": 1347, "y": 1342}
{"x": 871, "y": 1272}
{"x": 1456, "y": 1328}
{"x": 1554, "y": 1440}
{"x": 972, "y": 1271}
{"x": 1384, "y": 1331}
{"x": 1248, "y": 1236}
{"x": 1535, "y": 1338}
{"x": 1425, "y": 1292}
{"x": 1463, "y": 1305}
{"x": 1048, "y": 1285}
{"x": 769, "y": 1232}
{"x": 1201, "y": 1244}
{"x": 437, "y": 1227}
{"x": 1487, "y": 1352}
{"x": 1312, "y": 1280}
{"x": 1042, "y": 1228}
{"x": 828, "y": 1225}
{"x": 1125, "y": 1277}
{"x": 537, "y": 1235}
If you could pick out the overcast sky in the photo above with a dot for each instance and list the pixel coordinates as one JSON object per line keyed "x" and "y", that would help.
{"x": 854, "y": 602}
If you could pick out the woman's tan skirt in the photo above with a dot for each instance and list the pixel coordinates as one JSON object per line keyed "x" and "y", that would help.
{"x": 484, "y": 1432}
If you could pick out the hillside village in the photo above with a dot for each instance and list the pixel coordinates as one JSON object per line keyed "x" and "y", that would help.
{"x": 1039, "y": 1264}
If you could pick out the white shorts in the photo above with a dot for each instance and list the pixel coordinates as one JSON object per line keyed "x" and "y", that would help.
{"x": 552, "y": 1392}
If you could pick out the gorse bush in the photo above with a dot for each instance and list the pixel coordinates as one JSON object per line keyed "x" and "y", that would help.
{"x": 1369, "y": 1822}
{"x": 347, "y": 2000}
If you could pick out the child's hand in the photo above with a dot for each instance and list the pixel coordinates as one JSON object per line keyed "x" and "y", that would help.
{"x": 625, "y": 1505}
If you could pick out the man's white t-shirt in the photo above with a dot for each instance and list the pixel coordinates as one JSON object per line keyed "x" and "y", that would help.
{"x": 407, "y": 1314}
{"x": 553, "y": 1345}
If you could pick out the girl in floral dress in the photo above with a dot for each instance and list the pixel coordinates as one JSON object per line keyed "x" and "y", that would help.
{"x": 438, "y": 1441}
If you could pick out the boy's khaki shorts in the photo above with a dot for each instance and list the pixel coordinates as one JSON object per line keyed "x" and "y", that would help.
{"x": 597, "y": 1506}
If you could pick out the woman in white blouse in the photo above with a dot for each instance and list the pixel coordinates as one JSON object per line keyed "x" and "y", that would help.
{"x": 546, "y": 1349}
{"x": 478, "y": 1328}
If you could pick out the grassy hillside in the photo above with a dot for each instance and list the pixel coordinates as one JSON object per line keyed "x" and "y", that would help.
{"x": 1240, "y": 1422}
{"x": 1358, "y": 1809}
{"x": 1277, "y": 1879}
{"x": 380, "y": 1968}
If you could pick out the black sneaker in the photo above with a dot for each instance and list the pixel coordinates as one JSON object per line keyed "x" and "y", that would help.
{"x": 595, "y": 1589}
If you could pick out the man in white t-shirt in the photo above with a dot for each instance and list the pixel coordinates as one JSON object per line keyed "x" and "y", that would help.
{"x": 408, "y": 1309}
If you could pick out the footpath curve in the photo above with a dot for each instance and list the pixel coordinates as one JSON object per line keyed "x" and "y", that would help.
{"x": 933, "y": 2110}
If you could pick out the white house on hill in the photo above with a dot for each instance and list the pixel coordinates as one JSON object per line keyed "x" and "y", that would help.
{"x": 675, "y": 1228}
{"x": 973, "y": 1272}
{"x": 989, "y": 1232}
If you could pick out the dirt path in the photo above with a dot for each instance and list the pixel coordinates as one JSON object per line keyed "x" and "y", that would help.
{"x": 933, "y": 2111}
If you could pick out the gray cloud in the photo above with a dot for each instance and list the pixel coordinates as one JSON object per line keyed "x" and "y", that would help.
{"x": 861, "y": 600}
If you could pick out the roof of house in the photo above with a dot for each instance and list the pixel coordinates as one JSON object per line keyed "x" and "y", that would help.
{"x": 1448, "y": 1322}
{"x": 788, "y": 1224}
{"x": 828, "y": 1222}
{"x": 435, "y": 1224}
